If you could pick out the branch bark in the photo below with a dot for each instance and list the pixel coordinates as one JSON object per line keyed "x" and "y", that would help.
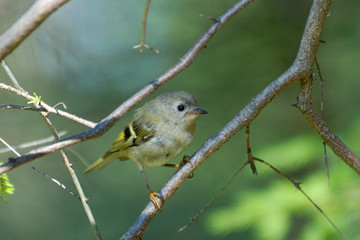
{"x": 317, "y": 123}
{"x": 32, "y": 19}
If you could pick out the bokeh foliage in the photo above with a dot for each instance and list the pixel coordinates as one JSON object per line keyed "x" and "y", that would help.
{"x": 6, "y": 187}
{"x": 83, "y": 56}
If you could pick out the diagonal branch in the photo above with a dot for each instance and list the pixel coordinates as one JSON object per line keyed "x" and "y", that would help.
{"x": 317, "y": 123}
{"x": 111, "y": 119}
{"x": 32, "y": 19}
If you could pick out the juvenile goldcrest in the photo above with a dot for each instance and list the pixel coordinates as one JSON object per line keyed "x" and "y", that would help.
{"x": 159, "y": 131}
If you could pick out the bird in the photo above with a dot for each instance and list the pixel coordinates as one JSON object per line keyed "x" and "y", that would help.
{"x": 159, "y": 131}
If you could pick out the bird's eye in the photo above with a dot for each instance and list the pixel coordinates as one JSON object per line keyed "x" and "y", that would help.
{"x": 181, "y": 107}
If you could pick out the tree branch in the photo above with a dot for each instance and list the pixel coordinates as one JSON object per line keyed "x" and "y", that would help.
{"x": 12, "y": 106}
{"x": 38, "y": 12}
{"x": 112, "y": 118}
{"x": 44, "y": 106}
{"x": 317, "y": 123}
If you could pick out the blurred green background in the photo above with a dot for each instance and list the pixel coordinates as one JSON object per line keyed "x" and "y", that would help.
{"x": 82, "y": 56}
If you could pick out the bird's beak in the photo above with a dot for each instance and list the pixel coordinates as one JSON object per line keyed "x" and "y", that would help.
{"x": 196, "y": 111}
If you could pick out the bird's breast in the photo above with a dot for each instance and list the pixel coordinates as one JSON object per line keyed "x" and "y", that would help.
{"x": 161, "y": 148}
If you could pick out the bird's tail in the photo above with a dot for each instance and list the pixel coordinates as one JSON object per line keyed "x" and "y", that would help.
{"x": 100, "y": 163}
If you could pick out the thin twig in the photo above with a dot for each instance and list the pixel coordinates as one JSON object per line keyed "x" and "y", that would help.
{"x": 78, "y": 156}
{"x": 12, "y": 149}
{"x": 208, "y": 17}
{"x": 11, "y": 75}
{"x": 60, "y": 103}
{"x": 249, "y": 153}
{"x": 142, "y": 44}
{"x": 82, "y": 196}
{"x": 322, "y": 116}
{"x": 297, "y": 186}
{"x": 47, "y": 108}
{"x": 195, "y": 219}
{"x": 17, "y": 107}
{"x": 33, "y": 143}
{"x": 55, "y": 181}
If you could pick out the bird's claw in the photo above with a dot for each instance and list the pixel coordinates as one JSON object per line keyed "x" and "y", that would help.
{"x": 153, "y": 199}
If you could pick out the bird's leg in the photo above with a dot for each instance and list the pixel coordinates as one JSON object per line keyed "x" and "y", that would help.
{"x": 152, "y": 194}
{"x": 180, "y": 164}
{"x": 185, "y": 159}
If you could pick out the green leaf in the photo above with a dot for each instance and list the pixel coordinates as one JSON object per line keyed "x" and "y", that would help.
{"x": 35, "y": 99}
{"x": 6, "y": 188}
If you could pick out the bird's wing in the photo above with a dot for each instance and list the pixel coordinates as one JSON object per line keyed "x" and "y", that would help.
{"x": 133, "y": 135}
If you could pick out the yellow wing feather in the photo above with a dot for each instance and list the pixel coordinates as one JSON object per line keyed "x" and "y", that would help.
{"x": 131, "y": 136}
